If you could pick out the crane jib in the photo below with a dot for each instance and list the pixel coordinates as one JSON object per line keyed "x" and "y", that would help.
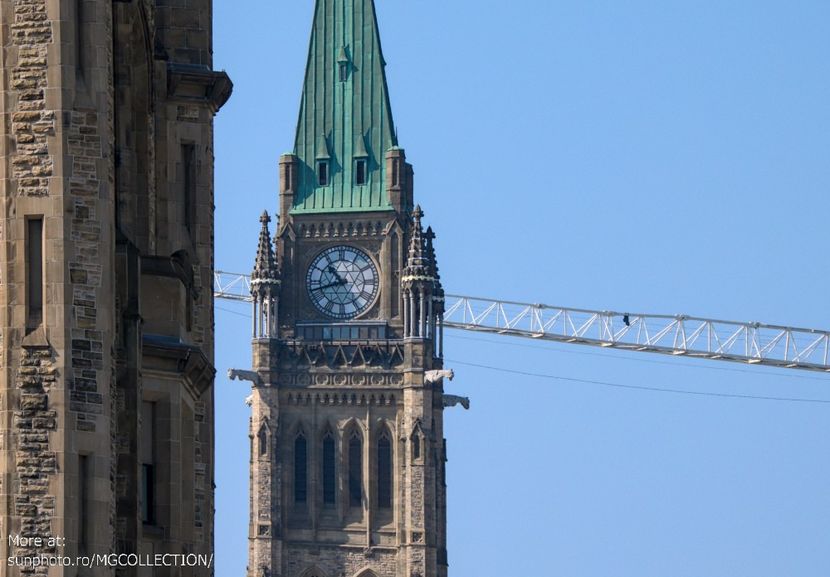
{"x": 679, "y": 335}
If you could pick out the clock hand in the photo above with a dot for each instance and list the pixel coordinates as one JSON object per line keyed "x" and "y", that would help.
{"x": 333, "y": 271}
{"x": 331, "y": 284}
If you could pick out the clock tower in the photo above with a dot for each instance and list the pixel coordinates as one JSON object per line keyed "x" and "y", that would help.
{"x": 347, "y": 448}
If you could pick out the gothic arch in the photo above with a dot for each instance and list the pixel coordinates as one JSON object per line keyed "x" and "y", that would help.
{"x": 384, "y": 467}
{"x": 327, "y": 428}
{"x": 328, "y": 468}
{"x": 417, "y": 440}
{"x": 353, "y": 445}
{"x": 386, "y": 424}
{"x": 313, "y": 571}
{"x": 351, "y": 424}
{"x": 263, "y": 437}
{"x": 366, "y": 572}
{"x": 295, "y": 428}
{"x": 300, "y": 451}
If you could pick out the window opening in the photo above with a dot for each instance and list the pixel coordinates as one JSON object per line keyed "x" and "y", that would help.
{"x": 189, "y": 185}
{"x": 355, "y": 471}
{"x": 148, "y": 472}
{"x": 262, "y": 441}
{"x": 384, "y": 472}
{"x": 329, "y": 471}
{"x": 322, "y": 172}
{"x": 34, "y": 272}
{"x": 360, "y": 171}
{"x": 300, "y": 469}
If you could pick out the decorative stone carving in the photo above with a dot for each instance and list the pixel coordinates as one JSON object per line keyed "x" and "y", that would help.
{"x": 432, "y": 377}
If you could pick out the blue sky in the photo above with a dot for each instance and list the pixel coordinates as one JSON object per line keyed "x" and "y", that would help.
{"x": 653, "y": 156}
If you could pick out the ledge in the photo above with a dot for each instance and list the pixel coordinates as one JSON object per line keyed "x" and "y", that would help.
{"x": 170, "y": 355}
{"x": 198, "y": 83}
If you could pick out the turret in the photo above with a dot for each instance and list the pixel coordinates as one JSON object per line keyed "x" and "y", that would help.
{"x": 265, "y": 285}
{"x": 419, "y": 283}
{"x": 437, "y": 317}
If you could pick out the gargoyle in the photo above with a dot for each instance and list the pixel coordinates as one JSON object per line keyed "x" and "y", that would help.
{"x": 432, "y": 377}
{"x": 251, "y": 376}
{"x": 453, "y": 400}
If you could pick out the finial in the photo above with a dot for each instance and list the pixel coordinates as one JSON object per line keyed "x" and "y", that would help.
{"x": 265, "y": 219}
{"x": 417, "y": 214}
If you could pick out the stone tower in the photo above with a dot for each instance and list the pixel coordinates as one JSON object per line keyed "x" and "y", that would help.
{"x": 106, "y": 320}
{"x": 347, "y": 446}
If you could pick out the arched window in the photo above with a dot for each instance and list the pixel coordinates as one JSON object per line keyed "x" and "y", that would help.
{"x": 384, "y": 456}
{"x": 329, "y": 470}
{"x": 355, "y": 470}
{"x": 300, "y": 469}
{"x": 416, "y": 446}
{"x": 262, "y": 441}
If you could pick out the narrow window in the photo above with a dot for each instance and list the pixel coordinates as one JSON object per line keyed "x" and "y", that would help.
{"x": 360, "y": 171}
{"x": 444, "y": 465}
{"x": 80, "y": 39}
{"x": 384, "y": 472}
{"x": 395, "y": 169}
{"x": 416, "y": 446}
{"x": 344, "y": 71}
{"x": 262, "y": 441}
{"x": 148, "y": 472}
{"x": 34, "y": 272}
{"x": 189, "y": 185}
{"x": 83, "y": 503}
{"x": 323, "y": 172}
{"x": 329, "y": 472}
{"x": 300, "y": 469}
{"x": 355, "y": 471}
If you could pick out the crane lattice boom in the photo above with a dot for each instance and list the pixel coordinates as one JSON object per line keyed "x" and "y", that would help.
{"x": 678, "y": 335}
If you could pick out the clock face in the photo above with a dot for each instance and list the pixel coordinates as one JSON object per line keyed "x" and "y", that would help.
{"x": 342, "y": 282}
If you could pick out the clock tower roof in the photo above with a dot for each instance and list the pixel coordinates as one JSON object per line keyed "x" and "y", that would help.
{"x": 345, "y": 126}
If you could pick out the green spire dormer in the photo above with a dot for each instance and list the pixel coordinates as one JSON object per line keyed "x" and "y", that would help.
{"x": 322, "y": 148}
{"x": 345, "y": 126}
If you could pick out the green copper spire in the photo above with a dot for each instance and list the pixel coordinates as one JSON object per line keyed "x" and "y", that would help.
{"x": 345, "y": 117}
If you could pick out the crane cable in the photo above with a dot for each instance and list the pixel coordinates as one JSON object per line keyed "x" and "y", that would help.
{"x": 638, "y": 387}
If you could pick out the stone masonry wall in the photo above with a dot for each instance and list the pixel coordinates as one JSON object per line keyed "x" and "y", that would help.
{"x": 85, "y": 270}
{"x": 35, "y": 462}
{"x": 32, "y": 123}
{"x": 341, "y": 561}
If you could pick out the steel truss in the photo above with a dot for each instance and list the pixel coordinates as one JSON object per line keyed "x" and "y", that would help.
{"x": 679, "y": 335}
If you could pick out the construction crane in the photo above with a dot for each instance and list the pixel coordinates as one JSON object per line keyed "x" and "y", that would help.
{"x": 750, "y": 343}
